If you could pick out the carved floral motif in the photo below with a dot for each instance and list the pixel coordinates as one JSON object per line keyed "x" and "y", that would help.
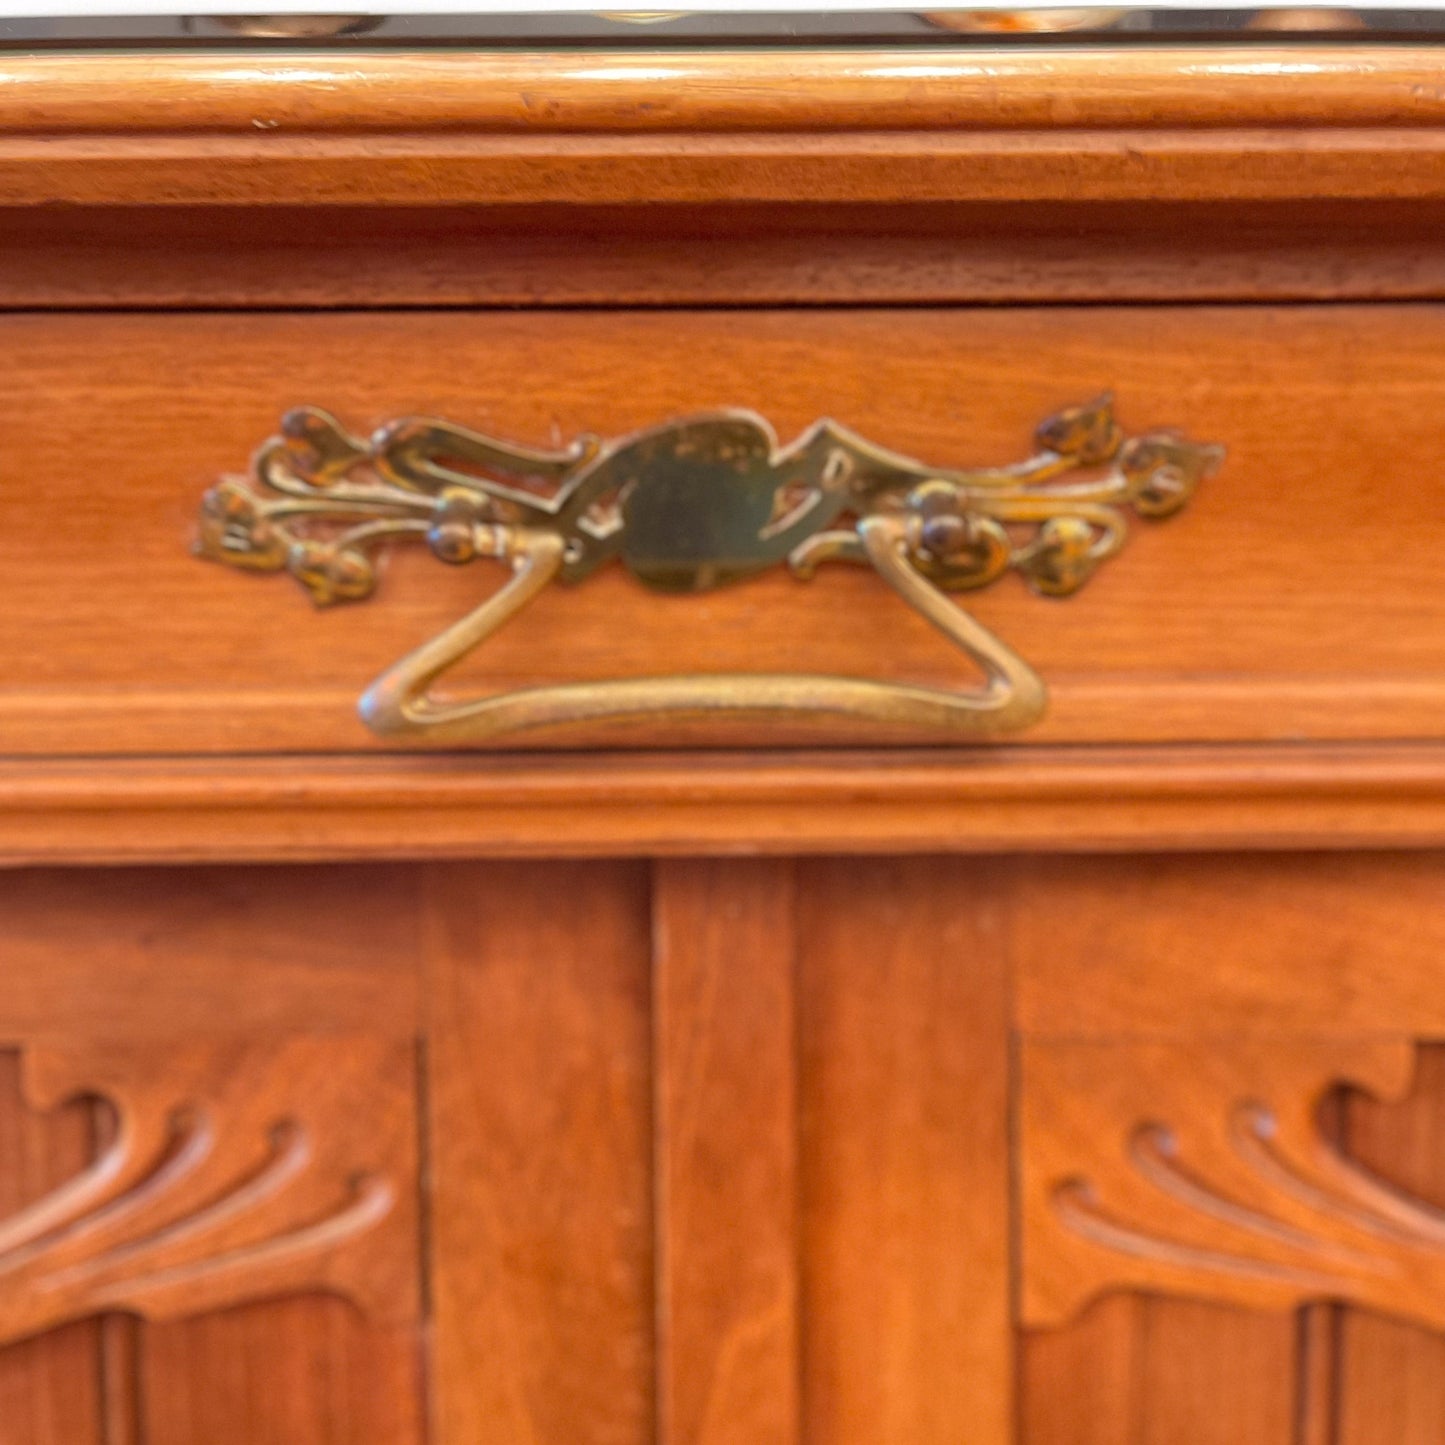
{"x": 232, "y": 1172}
{"x": 1203, "y": 1169}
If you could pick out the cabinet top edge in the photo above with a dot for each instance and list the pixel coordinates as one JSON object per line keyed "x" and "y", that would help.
{"x": 579, "y": 92}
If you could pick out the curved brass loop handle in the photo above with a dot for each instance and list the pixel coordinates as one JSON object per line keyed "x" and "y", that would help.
{"x": 687, "y": 507}
{"x": 399, "y": 702}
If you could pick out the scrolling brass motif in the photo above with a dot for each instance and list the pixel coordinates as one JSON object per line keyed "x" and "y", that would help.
{"x": 686, "y": 507}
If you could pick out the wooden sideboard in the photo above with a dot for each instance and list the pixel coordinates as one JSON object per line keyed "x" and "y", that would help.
{"x": 736, "y": 1073}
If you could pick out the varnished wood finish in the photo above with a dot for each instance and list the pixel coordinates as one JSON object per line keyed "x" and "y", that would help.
{"x": 1261, "y": 639}
{"x": 540, "y": 1144}
{"x": 905, "y": 1077}
{"x": 1391, "y": 1375}
{"x": 775, "y": 255}
{"x": 683, "y": 91}
{"x": 219, "y": 1186}
{"x": 690, "y": 1147}
{"x": 1046, "y": 125}
{"x": 1095, "y": 799}
{"x": 1192, "y": 946}
{"x": 120, "y": 986}
{"x": 725, "y": 1055}
{"x": 825, "y": 1045}
{"x": 49, "y": 1384}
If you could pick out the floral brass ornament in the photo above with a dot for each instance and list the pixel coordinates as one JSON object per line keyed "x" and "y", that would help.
{"x": 688, "y": 506}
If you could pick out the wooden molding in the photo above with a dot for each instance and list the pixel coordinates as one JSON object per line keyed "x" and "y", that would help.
{"x": 469, "y": 805}
{"x": 1206, "y": 1170}
{"x": 440, "y": 168}
{"x": 540, "y": 91}
{"x": 430, "y": 129}
{"x": 234, "y": 1172}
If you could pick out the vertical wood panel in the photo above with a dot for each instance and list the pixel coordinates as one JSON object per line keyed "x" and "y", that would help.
{"x": 166, "y": 956}
{"x": 1137, "y": 1370}
{"x": 1113, "y": 948}
{"x": 298, "y": 1370}
{"x": 304, "y": 1371}
{"x": 903, "y": 1005}
{"x": 540, "y": 1144}
{"x": 1213, "y": 1375}
{"x": 727, "y": 1130}
{"x": 49, "y": 1385}
{"x": 1081, "y": 1385}
{"x": 1392, "y": 1385}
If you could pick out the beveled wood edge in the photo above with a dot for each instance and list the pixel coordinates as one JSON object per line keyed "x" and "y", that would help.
{"x": 459, "y": 805}
{"x": 465, "y": 168}
{"x": 429, "y": 129}
{"x": 578, "y": 91}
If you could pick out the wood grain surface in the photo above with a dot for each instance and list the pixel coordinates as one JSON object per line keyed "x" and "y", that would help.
{"x": 1223, "y": 946}
{"x": 50, "y": 1384}
{"x": 726, "y": 1147}
{"x": 729, "y": 1143}
{"x": 906, "y": 1277}
{"x": 1292, "y": 600}
{"x": 1039, "y": 799}
{"x": 140, "y": 977}
{"x": 540, "y": 1081}
{"x": 1042, "y": 123}
{"x": 917, "y": 1144}
{"x": 612, "y": 256}
{"x": 1390, "y": 1376}
{"x": 691, "y": 90}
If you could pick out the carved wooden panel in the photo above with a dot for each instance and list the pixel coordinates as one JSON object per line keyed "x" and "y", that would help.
{"x": 1203, "y": 1168}
{"x": 235, "y": 1171}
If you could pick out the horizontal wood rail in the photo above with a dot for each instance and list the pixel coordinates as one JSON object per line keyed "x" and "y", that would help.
{"x": 966, "y": 88}
{"x": 453, "y": 805}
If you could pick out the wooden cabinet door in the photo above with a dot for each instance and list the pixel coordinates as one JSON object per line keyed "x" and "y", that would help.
{"x": 775, "y": 1152}
{"x": 209, "y": 1180}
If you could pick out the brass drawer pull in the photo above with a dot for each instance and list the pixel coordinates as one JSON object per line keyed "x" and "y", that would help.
{"x": 686, "y": 507}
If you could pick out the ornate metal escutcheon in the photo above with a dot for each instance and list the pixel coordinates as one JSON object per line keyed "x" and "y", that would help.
{"x": 688, "y": 506}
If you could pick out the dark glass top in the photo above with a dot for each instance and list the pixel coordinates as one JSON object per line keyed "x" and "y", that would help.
{"x": 655, "y": 29}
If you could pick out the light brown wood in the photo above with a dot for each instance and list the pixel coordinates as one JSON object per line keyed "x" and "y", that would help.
{"x": 208, "y": 1225}
{"x": 1391, "y": 1380}
{"x": 610, "y": 256}
{"x": 1148, "y": 123}
{"x": 726, "y": 1147}
{"x": 539, "y": 1080}
{"x": 1152, "y": 1371}
{"x": 1199, "y": 1169}
{"x": 905, "y": 1165}
{"x": 207, "y": 952}
{"x": 1258, "y": 641}
{"x": 876, "y": 167}
{"x": 1004, "y": 799}
{"x": 238, "y": 1171}
{"x": 161, "y": 959}
{"x": 300, "y": 1371}
{"x": 49, "y": 1383}
{"x": 917, "y": 1145}
{"x": 1227, "y": 947}
{"x": 745, "y": 89}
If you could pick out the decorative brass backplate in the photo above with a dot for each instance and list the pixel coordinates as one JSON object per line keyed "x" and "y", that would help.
{"x": 686, "y": 507}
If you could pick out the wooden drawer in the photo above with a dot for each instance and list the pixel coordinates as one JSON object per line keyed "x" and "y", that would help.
{"x": 1293, "y": 598}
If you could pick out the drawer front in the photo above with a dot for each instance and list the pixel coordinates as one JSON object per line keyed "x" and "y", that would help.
{"x": 1294, "y": 597}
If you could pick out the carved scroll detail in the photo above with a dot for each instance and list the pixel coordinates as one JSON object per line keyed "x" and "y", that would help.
{"x": 1202, "y": 1168}
{"x": 234, "y": 1171}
